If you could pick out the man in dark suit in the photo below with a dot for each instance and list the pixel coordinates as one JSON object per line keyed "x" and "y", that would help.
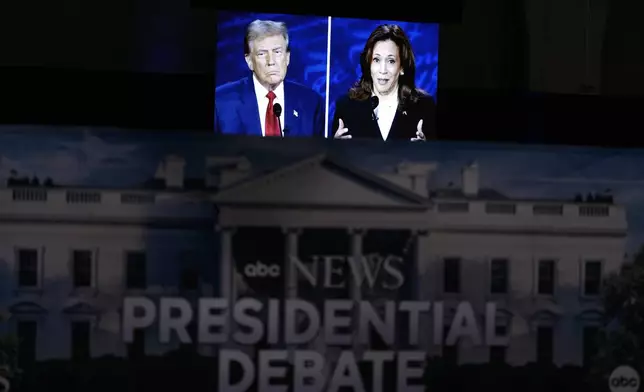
{"x": 248, "y": 106}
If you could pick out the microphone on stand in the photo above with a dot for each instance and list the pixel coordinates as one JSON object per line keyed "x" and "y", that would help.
{"x": 374, "y": 104}
{"x": 277, "y": 111}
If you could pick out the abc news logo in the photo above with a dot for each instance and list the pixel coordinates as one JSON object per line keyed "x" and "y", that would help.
{"x": 624, "y": 379}
{"x": 261, "y": 270}
{"x": 624, "y": 382}
{"x": 337, "y": 271}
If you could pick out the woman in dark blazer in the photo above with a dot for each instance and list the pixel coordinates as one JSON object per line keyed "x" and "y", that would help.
{"x": 385, "y": 103}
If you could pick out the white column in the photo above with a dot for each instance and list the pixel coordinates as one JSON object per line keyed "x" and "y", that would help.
{"x": 420, "y": 264}
{"x": 420, "y": 282}
{"x": 356, "y": 291}
{"x": 290, "y": 284}
{"x": 227, "y": 276}
{"x": 226, "y": 266}
{"x": 292, "y": 248}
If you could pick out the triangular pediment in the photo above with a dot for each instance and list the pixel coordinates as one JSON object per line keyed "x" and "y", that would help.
{"x": 321, "y": 181}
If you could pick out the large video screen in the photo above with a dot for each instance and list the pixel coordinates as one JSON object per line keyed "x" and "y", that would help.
{"x": 280, "y": 75}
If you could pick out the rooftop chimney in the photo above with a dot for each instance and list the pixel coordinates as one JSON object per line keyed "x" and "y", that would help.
{"x": 224, "y": 171}
{"x": 470, "y": 176}
{"x": 171, "y": 171}
{"x": 413, "y": 176}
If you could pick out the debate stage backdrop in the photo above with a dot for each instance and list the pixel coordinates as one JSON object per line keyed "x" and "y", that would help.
{"x": 312, "y": 54}
{"x": 116, "y": 159}
{"x": 108, "y": 185}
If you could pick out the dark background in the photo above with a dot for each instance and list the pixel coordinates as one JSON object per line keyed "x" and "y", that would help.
{"x": 542, "y": 71}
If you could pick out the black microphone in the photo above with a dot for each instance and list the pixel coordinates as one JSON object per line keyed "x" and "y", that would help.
{"x": 374, "y": 104}
{"x": 277, "y": 111}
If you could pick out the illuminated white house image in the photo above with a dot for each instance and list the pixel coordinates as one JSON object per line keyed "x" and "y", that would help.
{"x": 69, "y": 256}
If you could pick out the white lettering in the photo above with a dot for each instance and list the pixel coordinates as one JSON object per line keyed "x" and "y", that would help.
{"x": 138, "y": 312}
{"x": 439, "y": 320}
{"x": 208, "y": 321}
{"x": 407, "y": 372}
{"x": 293, "y": 335}
{"x": 261, "y": 270}
{"x": 225, "y": 371}
{"x": 491, "y": 337}
{"x": 308, "y": 373}
{"x": 296, "y": 321}
{"x": 377, "y": 359}
{"x": 179, "y": 323}
{"x": 251, "y": 322}
{"x": 366, "y": 271}
{"x": 464, "y": 325}
{"x": 347, "y": 374}
{"x": 415, "y": 308}
{"x": 365, "y": 268}
{"x": 334, "y": 319}
{"x": 308, "y": 274}
{"x": 383, "y": 326}
{"x": 331, "y": 269}
{"x": 268, "y": 370}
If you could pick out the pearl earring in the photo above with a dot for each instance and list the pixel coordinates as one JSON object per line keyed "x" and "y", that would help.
{"x": 402, "y": 72}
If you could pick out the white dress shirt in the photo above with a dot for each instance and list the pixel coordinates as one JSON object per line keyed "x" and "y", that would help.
{"x": 385, "y": 114}
{"x": 262, "y": 102}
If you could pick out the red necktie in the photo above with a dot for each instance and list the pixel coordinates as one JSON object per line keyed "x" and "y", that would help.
{"x": 272, "y": 124}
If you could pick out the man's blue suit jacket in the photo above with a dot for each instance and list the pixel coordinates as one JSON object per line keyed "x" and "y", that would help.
{"x": 236, "y": 111}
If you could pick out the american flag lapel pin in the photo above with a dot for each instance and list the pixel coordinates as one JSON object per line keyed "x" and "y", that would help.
{"x": 295, "y": 113}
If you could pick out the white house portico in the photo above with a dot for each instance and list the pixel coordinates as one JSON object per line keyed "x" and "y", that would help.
{"x": 320, "y": 192}
{"x": 318, "y": 196}
{"x": 541, "y": 261}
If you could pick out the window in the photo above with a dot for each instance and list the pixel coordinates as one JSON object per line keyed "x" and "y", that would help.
{"x": 498, "y": 353}
{"x": 592, "y": 277}
{"x": 452, "y": 275}
{"x": 82, "y": 268}
{"x": 450, "y": 353}
{"x": 591, "y": 334}
{"x": 546, "y": 277}
{"x": 136, "y": 270}
{"x": 27, "y": 332}
{"x": 81, "y": 333}
{"x": 136, "y": 349}
{"x": 28, "y": 268}
{"x": 545, "y": 340}
{"x": 499, "y": 276}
